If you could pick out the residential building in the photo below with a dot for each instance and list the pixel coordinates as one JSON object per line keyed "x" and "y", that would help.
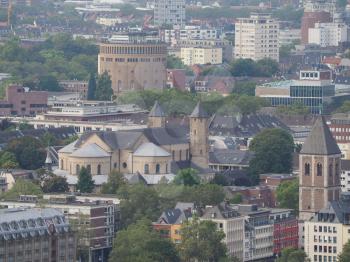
{"x": 134, "y": 61}
{"x": 231, "y": 223}
{"x": 201, "y": 55}
{"x": 328, "y": 230}
{"x": 314, "y": 89}
{"x": 155, "y": 152}
{"x": 289, "y": 36}
{"x": 170, "y": 12}
{"x": 75, "y": 86}
{"x": 258, "y": 239}
{"x": 328, "y": 34}
{"x": 340, "y": 128}
{"x": 176, "y": 78}
{"x": 170, "y": 221}
{"x": 285, "y": 230}
{"x": 229, "y": 159}
{"x": 36, "y": 234}
{"x": 20, "y": 101}
{"x": 319, "y": 167}
{"x": 96, "y": 218}
{"x": 256, "y": 37}
{"x": 219, "y": 84}
{"x": 345, "y": 175}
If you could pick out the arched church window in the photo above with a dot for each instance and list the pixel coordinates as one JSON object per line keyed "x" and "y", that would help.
{"x": 158, "y": 168}
{"x": 330, "y": 170}
{"x": 146, "y": 169}
{"x": 62, "y": 167}
{"x": 99, "y": 169}
{"x": 307, "y": 169}
{"x": 319, "y": 169}
{"x": 337, "y": 169}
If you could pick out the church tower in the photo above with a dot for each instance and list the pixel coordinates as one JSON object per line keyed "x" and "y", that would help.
{"x": 319, "y": 170}
{"x": 199, "y": 141}
{"x": 156, "y": 117}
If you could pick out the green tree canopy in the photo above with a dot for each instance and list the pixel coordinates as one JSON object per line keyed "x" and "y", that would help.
{"x": 22, "y": 187}
{"x": 49, "y": 83}
{"x": 114, "y": 182}
{"x": 292, "y": 255}
{"x": 247, "y": 67}
{"x": 29, "y": 152}
{"x": 85, "y": 183}
{"x": 201, "y": 241}
{"x": 244, "y": 88}
{"x": 55, "y": 184}
{"x": 273, "y": 152}
{"x": 104, "y": 89}
{"x": 8, "y": 160}
{"x": 140, "y": 243}
{"x": 91, "y": 87}
{"x": 187, "y": 177}
{"x": 344, "y": 256}
{"x": 287, "y": 194}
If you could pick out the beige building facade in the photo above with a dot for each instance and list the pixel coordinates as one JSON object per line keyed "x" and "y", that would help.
{"x": 257, "y": 37}
{"x": 201, "y": 55}
{"x": 133, "y": 64}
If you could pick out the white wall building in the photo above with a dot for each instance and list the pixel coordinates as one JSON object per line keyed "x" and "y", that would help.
{"x": 289, "y": 36}
{"x": 169, "y": 12}
{"x": 328, "y": 34}
{"x": 256, "y": 37}
{"x": 201, "y": 55}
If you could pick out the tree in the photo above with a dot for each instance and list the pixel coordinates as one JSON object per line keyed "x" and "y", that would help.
{"x": 55, "y": 184}
{"x": 85, "y": 183}
{"x": 203, "y": 195}
{"x": 114, "y": 182}
{"x": 140, "y": 243}
{"x": 23, "y": 187}
{"x": 243, "y": 67}
{"x": 292, "y": 255}
{"x": 244, "y": 88}
{"x": 344, "y": 256}
{"x": 29, "y": 152}
{"x": 104, "y": 89}
{"x": 48, "y": 139}
{"x": 91, "y": 87}
{"x": 236, "y": 199}
{"x": 187, "y": 177}
{"x": 273, "y": 152}
{"x": 288, "y": 194}
{"x": 49, "y": 83}
{"x": 8, "y": 160}
{"x": 201, "y": 241}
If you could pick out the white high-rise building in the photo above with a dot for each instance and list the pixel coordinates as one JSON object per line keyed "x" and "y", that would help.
{"x": 170, "y": 12}
{"x": 328, "y": 34}
{"x": 256, "y": 37}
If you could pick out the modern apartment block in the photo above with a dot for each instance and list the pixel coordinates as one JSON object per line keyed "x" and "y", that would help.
{"x": 231, "y": 223}
{"x": 257, "y": 37}
{"x": 170, "y": 12}
{"x": 314, "y": 89}
{"x": 20, "y": 101}
{"x": 328, "y": 34}
{"x": 328, "y": 231}
{"x": 134, "y": 61}
{"x": 96, "y": 219}
{"x": 201, "y": 55}
{"x": 35, "y": 234}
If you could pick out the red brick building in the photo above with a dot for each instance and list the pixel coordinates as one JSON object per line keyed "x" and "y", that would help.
{"x": 20, "y": 101}
{"x": 309, "y": 20}
{"x": 285, "y": 230}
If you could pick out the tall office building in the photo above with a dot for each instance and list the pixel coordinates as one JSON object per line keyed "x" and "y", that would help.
{"x": 134, "y": 61}
{"x": 256, "y": 37}
{"x": 170, "y": 12}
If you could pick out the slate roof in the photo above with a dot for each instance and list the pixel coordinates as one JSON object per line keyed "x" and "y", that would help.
{"x": 245, "y": 126}
{"x": 335, "y": 211}
{"x": 151, "y": 150}
{"x": 199, "y": 111}
{"x": 230, "y": 157}
{"x": 157, "y": 111}
{"x": 221, "y": 211}
{"x": 320, "y": 140}
{"x": 68, "y": 148}
{"x": 90, "y": 150}
{"x": 175, "y": 216}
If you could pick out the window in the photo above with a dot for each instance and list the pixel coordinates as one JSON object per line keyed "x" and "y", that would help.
{"x": 62, "y": 164}
{"x": 330, "y": 171}
{"x": 88, "y": 167}
{"x": 115, "y": 165}
{"x": 158, "y": 168}
{"x": 307, "y": 169}
{"x": 319, "y": 169}
{"x": 77, "y": 169}
{"x": 146, "y": 169}
{"x": 99, "y": 169}
{"x": 124, "y": 165}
